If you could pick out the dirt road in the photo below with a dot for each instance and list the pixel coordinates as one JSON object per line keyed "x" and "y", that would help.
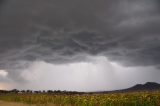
{"x": 2, "y": 103}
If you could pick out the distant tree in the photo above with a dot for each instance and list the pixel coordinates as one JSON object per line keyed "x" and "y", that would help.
{"x": 49, "y": 91}
{"x": 57, "y": 91}
{"x": 23, "y": 91}
{"x": 3, "y": 91}
{"x": 14, "y": 91}
{"x": 29, "y": 91}
{"x": 44, "y": 91}
{"x": 37, "y": 92}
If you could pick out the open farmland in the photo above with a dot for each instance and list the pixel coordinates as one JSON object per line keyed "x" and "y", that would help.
{"x": 111, "y": 99}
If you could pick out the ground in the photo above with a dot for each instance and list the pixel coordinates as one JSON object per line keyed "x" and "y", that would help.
{"x": 2, "y": 103}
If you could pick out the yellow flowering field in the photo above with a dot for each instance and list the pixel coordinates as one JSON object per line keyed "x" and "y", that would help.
{"x": 110, "y": 99}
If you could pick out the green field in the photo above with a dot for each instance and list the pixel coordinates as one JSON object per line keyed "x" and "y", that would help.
{"x": 111, "y": 99}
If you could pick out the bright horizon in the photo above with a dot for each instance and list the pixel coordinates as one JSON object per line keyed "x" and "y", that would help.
{"x": 96, "y": 74}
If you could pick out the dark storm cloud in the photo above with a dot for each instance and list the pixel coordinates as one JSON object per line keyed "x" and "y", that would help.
{"x": 65, "y": 31}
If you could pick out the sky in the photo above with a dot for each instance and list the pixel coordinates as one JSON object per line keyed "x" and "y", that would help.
{"x": 79, "y": 45}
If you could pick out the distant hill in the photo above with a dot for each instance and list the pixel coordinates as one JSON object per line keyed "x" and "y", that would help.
{"x": 147, "y": 86}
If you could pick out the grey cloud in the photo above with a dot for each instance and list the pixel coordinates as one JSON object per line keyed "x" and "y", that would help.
{"x": 67, "y": 31}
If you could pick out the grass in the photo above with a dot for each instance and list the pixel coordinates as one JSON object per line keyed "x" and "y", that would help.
{"x": 112, "y": 99}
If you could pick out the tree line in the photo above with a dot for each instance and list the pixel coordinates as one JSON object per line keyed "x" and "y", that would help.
{"x": 16, "y": 91}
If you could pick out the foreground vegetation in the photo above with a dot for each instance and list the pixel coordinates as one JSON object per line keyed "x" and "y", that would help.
{"x": 110, "y": 99}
